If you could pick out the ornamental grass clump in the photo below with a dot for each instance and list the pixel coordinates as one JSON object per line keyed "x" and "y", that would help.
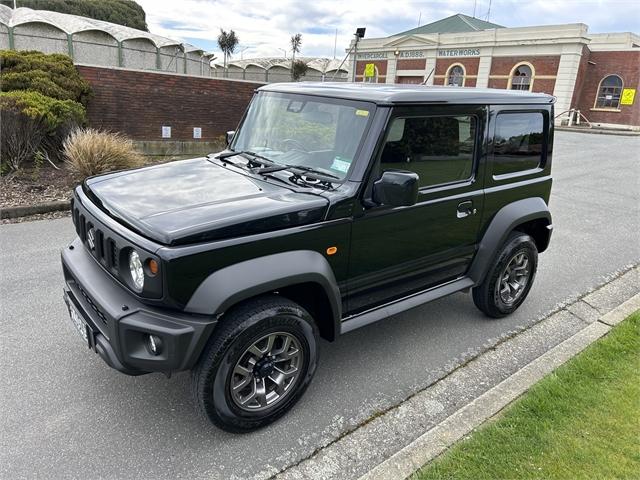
{"x": 89, "y": 152}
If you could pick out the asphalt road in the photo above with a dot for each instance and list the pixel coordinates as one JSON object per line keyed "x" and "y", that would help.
{"x": 65, "y": 414}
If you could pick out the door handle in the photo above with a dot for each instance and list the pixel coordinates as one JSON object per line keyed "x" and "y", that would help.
{"x": 465, "y": 209}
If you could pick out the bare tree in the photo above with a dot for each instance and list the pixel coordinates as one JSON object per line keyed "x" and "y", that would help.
{"x": 296, "y": 43}
{"x": 227, "y": 41}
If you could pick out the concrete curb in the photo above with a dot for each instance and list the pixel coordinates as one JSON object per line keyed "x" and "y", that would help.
{"x": 597, "y": 131}
{"x": 427, "y": 426}
{"x": 23, "y": 211}
{"x": 431, "y": 444}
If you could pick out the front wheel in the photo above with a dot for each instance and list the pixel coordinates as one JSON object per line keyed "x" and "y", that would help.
{"x": 509, "y": 278}
{"x": 257, "y": 365}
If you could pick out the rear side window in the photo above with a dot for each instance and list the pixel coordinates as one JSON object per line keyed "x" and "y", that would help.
{"x": 518, "y": 142}
{"x": 438, "y": 149}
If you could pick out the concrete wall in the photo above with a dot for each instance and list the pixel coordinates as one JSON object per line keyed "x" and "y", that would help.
{"x": 140, "y": 103}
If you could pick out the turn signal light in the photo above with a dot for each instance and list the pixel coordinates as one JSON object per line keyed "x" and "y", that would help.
{"x": 332, "y": 250}
{"x": 153, "y": 267}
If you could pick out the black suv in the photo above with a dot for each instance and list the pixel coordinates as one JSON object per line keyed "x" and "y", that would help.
{"x": 334, "y": 206}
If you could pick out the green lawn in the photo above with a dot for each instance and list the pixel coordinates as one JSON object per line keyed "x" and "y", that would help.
{"x": 580, "y": 422}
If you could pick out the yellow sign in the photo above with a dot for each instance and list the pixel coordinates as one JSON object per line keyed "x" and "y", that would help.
{"x": 628, "y": 94}
{"x": 370, "y": 70}
{"x": 362, "y": 113}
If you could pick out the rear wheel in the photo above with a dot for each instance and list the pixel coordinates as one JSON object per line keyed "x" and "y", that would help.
{"x": 510, "y": 277}
{"x": 257, "y": 364}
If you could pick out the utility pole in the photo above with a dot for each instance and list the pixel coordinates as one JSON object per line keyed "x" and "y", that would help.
{"x": 335, "y": 44}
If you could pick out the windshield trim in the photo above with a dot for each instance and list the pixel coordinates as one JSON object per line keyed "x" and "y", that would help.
{"x": 371, "y": 106}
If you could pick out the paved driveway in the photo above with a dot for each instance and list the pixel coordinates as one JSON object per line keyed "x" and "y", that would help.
{"x": 65, "y": 414}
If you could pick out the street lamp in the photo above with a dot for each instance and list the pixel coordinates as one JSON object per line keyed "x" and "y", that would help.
{"x": 285, "y": 52}
{"x": 359, "y": 34}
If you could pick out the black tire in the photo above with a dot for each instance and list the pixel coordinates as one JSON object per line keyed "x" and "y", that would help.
{"x": 239, "y": 329}
{"x": 487, "y": 295}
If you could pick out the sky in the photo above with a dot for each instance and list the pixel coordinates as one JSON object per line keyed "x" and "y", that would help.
{"x": 264, "y": 27}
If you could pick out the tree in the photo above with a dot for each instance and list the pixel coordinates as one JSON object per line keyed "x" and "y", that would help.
{"x": 122, "y": 12}
{"x": 227, "y": 43}
{"x": 296, "y": 43}
{"x": 298, "y": 70}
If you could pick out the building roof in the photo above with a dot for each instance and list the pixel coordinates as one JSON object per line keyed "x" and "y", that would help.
{"x": 317, "y": 63}
{"x": 71, "y": 24}
{"x": 388, "y": 94}
{"x": 457, "y": 23}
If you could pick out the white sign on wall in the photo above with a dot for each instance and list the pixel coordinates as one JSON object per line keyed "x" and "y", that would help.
{"x": 459, "y": 52}
{"x": 166, "y": 132}
{"x": 197, "y": 132}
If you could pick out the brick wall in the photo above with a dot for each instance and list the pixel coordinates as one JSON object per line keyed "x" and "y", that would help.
{"x": 543, "y": 65}
{"x": 139, "y": 103}
{"x": 381, "y": 65}
{"x": 626, "y": 64}
{"x": 411, "y": 63}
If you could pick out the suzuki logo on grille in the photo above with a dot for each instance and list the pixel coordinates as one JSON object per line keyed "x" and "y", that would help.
{"x": 91, "y": 238}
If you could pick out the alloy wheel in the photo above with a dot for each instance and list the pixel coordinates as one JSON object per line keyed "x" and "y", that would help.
{"x": 266, "y": 372}
{"x": 514, "y": 279}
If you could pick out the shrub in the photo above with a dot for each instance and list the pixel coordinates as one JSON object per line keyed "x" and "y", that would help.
{"x": 20, "y": 138}
{"x": 53, "y": 75}
{"x": 54, "y": 113}
{"x": 45, "y": 118}
{"x": 89, "y": 152}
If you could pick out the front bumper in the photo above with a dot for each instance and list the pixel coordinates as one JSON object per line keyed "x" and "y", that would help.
{"x": 119, "y": 324}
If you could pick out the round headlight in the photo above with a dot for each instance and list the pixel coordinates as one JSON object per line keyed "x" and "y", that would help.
{"x": 137, "y": 272}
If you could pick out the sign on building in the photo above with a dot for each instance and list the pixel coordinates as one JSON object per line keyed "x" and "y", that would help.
{"x": 197, "y": 132}
{"x": 369, "y": 70}
{"x": 459, "y": 52}
{"x": 628, "y": 95}
{"x": 166, "y": 132}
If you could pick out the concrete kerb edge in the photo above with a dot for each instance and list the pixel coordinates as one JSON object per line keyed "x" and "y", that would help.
{"x": 23, "y": 211}
{"x": 436, "y": 440}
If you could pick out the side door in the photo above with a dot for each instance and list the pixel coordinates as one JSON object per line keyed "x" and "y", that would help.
{"x": 397, "y": 251}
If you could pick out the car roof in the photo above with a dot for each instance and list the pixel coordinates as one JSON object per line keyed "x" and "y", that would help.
{"x": 391, "y": 94}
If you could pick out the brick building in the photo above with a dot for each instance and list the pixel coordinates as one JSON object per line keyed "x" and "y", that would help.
{"x": 594, "y": 73}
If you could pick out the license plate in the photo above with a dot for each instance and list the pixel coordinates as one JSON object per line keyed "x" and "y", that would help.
{"x": 79, "y": 323}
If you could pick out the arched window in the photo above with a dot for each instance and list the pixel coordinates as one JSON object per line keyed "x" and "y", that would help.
{"x": 521, "y": 77}
{"x": 609, "y": 92}
{"x": 455, "y": 75}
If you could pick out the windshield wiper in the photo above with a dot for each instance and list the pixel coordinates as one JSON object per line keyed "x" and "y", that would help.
{"x": 304, "y": 168}
{"x": 262, "y": 160}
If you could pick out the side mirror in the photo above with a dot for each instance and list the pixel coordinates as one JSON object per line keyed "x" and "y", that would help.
{"x": 228, "y": 137}
{"x": 397, "y": 188}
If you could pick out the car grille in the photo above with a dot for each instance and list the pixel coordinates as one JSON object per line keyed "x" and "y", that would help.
{"x": 97, "y": 240}
{"x": 93, "y": 305}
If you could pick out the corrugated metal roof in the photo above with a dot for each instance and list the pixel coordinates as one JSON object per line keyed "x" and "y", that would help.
{"x": 457, "y": 23}
{"x": 71, "y": 24}
{"x": 317, "y": 63}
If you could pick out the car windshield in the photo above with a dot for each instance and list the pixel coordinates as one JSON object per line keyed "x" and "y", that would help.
{"x": 313, "y": 132}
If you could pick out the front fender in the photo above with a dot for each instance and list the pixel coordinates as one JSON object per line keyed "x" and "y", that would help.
{"x": 230, "y": 285}
{"x": 503, "y": 223}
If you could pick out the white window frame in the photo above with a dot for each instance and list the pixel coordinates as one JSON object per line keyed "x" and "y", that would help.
{"x": 513, "y": 71}
{"x": 595, "y": 101}
{"x": 451, "y": 67}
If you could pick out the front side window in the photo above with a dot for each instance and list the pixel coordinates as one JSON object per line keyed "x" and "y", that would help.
{"x": 290, "y": 129}
{"x": 609, "y": 92}
{"x": 521, "y": 78}
{"x": 456, "y": 76}
{"x": 438, "y": 149}
{"x": 518, "y": 142}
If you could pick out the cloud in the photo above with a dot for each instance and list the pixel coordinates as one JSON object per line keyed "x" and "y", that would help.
{"x": 265, "y": 27}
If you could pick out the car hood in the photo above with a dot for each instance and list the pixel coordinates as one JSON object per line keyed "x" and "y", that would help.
{"x": 197, "y": 200}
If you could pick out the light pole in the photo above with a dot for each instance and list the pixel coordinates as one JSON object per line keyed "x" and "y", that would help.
{"x": 285, "y": 52}
{"x": 359, "y": 34}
